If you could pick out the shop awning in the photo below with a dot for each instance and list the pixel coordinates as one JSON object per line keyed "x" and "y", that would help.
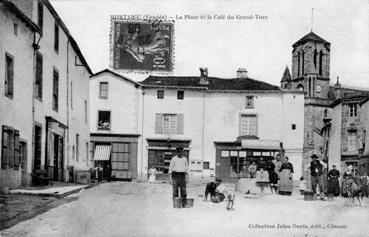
{"x": 261, "y": 144}
{"x": 164, "y": 148}
{"x": 102, "y": 152}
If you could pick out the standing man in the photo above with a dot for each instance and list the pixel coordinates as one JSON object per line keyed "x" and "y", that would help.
{"x": 178, "y": 172}
{"x": 316, "y": 172}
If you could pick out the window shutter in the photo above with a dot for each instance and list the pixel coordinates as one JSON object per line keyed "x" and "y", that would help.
{"x": 11, "y": 148}
{"x": 4, "y": 148}
{"x": 16, "y": 149}
{"x": 180, "y": 123}
{"x": 158, "y": 123}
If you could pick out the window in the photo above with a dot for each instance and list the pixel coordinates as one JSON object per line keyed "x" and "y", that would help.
{"x": 73, "y": 152}
{"x": 325, "y": 113}
{"x": 71, "y": 95}
{"x": 55, "y": 102}
{"x": 352, "y": 141}
{"x": 9, "y": 75}
{"x": 293, "y": 126}
{"x": 363, "y": 137}
{"x": 248, "y": 125}
{"x": 206, "y": 165}
{"x": 15, "y": 29}
{"x": 86, "y": 111}
{"x": 353, "y": 110}
{"x": 104, "y": 90}
{"x": 40, "y": 11}
{"x": 160, "y": 94}
{"x": 10, "y": 148}
{"x": 87, "y": 151}
{"x": 38, "y": 82}
{"x": 180, "y": 95}
{"x": 169, "y": 124}
{"x": 37, "y": 148}
{"x": 320, "y": 62}
{"x": 56, "y": 37}
{"x": 249, "y": 102}
{"x": 103, "y": 120}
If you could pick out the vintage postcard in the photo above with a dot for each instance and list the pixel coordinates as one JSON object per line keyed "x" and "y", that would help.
{"x": 184, "y": 118}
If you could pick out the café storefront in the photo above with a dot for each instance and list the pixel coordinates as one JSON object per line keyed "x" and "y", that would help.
{"x": 161, "y": 151}
{"x": 234, "y": 158}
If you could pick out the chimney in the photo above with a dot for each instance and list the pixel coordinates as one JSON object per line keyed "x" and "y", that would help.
{"x": 204, "y": 76}
{"x": 242, "y": 73}
{"x": 337, "y": 89}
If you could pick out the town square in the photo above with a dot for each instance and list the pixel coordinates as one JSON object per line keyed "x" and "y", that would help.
{"x": 121, "y": 118}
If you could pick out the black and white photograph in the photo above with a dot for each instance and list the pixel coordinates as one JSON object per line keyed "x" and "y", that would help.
{"x": 184, "y": 118}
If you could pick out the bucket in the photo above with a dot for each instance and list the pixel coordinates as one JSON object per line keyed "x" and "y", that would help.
{"x": 4, "y": 190}
{"x": 308, "y": 196}
{"x": 330, "y": 197}
{"x": 190, "y": 202}
{"x": 177, "y": 202}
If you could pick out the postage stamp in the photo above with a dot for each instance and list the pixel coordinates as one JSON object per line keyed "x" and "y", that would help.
{"x": 142, "y": 46}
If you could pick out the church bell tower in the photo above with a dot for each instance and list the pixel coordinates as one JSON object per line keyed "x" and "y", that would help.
{"x": 310, "y": 66}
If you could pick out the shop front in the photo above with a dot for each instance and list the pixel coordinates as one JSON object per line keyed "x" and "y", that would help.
{"x": 55, "y": 149}
{"x": 161, "y": 151}
{"x": 116, "y": 154}
{"x": 234, "y": 158}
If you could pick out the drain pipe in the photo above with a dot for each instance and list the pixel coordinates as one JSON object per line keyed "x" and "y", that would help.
{"x": 142, "y": 132}
{"x": 67, "y": 146}
{"x": 203, "y": 134}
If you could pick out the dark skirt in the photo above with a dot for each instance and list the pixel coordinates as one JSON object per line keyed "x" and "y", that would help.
{"x": 334, "y": 187}
{"x": 273, "y": 177}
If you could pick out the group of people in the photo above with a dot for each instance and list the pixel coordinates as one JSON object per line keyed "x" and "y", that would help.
{"x": 325, "y": 183}
{"x": 274, "y": 173}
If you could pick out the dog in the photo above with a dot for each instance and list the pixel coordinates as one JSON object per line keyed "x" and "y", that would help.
{"x": 210, "y": 189}
{"x": 230, "y": 196}
{"x": 355, "y": 191}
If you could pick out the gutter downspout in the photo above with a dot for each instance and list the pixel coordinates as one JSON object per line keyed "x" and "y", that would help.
{"x": 203, "y": 135}
{"x": 142, "y": 132}
{"x": 33, "y": 101}
{"x": 67, "y": 145}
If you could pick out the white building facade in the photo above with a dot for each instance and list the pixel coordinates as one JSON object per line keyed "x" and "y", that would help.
{"x": 115, "y": 123}
{"x": 222, "y": 124}
{"x": 16, "y": 82}
{"x": 57, "y": 93}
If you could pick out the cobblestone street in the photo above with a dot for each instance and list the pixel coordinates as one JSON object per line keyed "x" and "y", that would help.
{"x": 140, "y": 209}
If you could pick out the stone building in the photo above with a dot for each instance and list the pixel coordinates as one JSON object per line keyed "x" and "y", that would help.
{"x": 311, "y": 74}
{"x": 56, "y": 91}
{"x": 347, "y": 133}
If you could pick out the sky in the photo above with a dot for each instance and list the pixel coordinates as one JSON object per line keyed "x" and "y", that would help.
{"x": 262, "y": 46}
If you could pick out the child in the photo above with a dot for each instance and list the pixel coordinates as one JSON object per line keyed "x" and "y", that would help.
{"x": 152, "y": 174}
{"x": 302, "y": 186}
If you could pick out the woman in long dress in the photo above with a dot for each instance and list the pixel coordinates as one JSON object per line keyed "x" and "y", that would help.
{"x": 333, "y": 183}
{"x": 285, "y": 185}
{"x": 348, "y": 180}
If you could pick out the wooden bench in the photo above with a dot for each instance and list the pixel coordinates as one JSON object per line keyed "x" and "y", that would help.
{"x": 40, "y": 177}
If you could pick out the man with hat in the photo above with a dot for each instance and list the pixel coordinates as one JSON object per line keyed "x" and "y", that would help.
{"x": 178, "y": 172}
{"x": 316, "y": 172}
